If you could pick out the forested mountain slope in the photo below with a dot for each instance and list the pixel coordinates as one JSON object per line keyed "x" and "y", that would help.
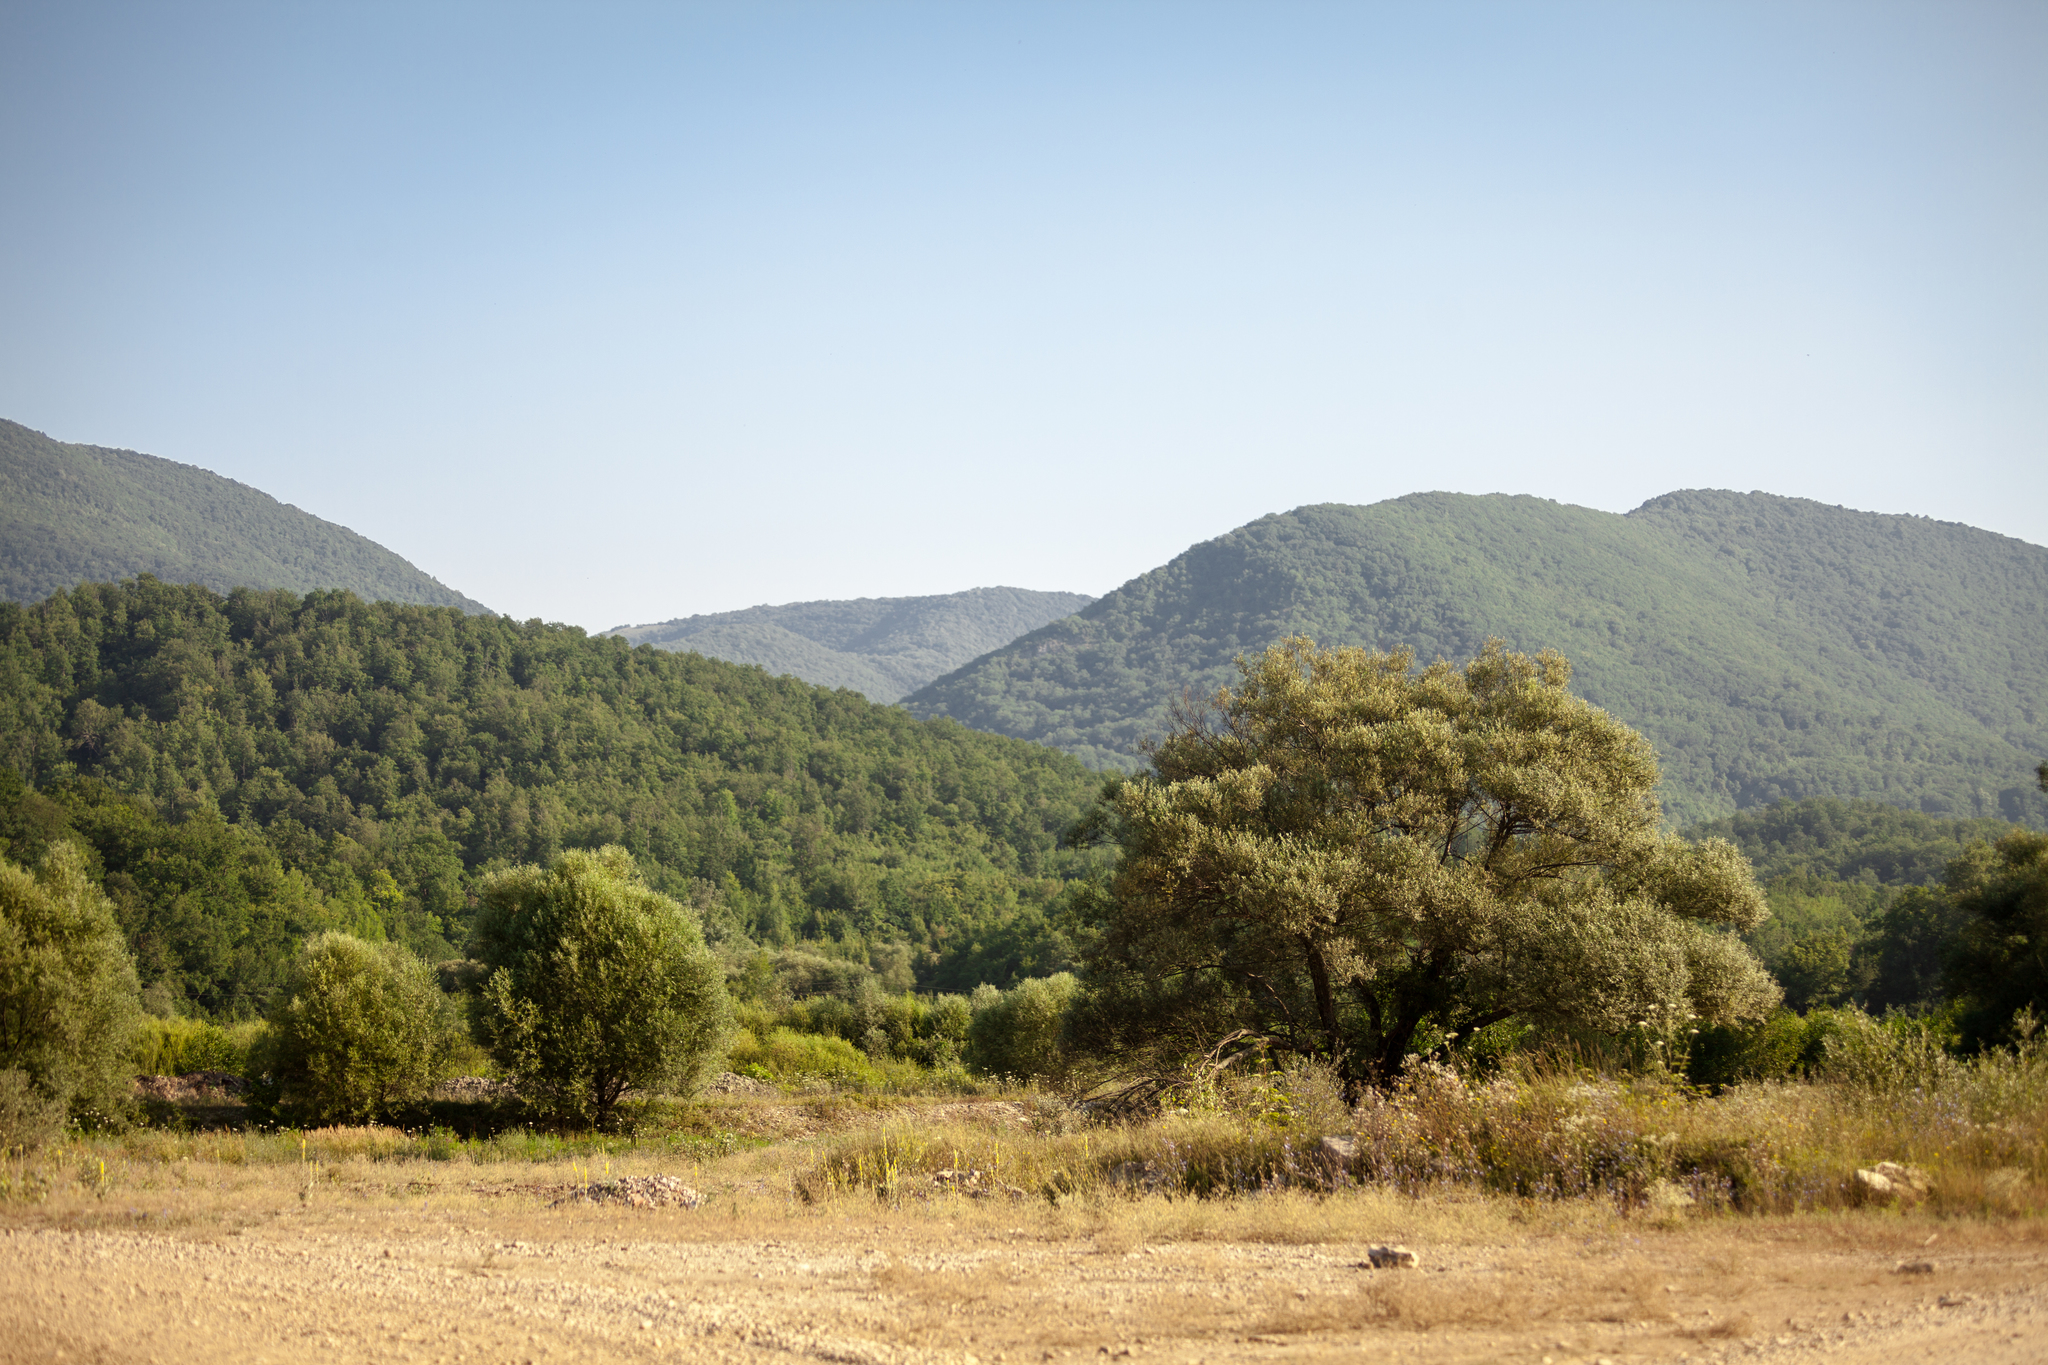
{"x": 1772, "y": 648}
{"x": 292, "y": 763}
{"x": 881, "y": 647}
{"x": 79, "y": 514}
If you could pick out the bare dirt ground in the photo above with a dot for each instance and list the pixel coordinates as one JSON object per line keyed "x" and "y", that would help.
{"x": 413, "y": 1260}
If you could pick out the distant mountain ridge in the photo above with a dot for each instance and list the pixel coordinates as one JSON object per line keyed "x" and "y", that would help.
{"x": 73, "y": 514}
{"x": 1772, "y": 648}
{"x": 881, "y": 647}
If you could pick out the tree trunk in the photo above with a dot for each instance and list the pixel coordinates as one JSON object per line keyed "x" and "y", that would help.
{"x": 1326, "y": 1004}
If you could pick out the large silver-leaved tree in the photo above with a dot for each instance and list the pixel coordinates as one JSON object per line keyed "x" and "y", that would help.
{"x": 1345, "y": 849}
{"x": 597, "y": 985}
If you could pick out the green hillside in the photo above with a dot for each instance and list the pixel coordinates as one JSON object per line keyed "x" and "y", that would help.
{"x": 256, "y": 766}
{"x": 1771, "y": 648}
{"x": 83, "y": 514}
{"x": 881, "y": 647}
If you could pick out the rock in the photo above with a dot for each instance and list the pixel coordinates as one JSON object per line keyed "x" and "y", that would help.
{"x": 1138, "y": 1175}
{"x": 635, "y": 1191}
{"x": 472, "y": 1089}
{"x": 1337, "y": 1155}
{"x": 1391, "y": 1258}
{"x": 1890, "y": 1180}
{"x": 973, "y": 1184}
{"x": 197, "y": 1087}
{"x": 1910, "y": 1179}
{"x": 1668, "y": 1197}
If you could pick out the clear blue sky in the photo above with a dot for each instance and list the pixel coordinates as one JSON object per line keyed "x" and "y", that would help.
{"x": 609, "y": 313}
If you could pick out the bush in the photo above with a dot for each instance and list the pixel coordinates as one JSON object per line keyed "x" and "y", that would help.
{"x": 1783, "y": 1046}
{"x": 1017, "y": 1032}
{"x": 28, "y": 1117}
{"x": 180, "y": 1047}
{"x": 68, "y": 993}
{"x": 784, "y": 1054}
{"x": 597, "y": 986}
{"x": 364, "y": 1030}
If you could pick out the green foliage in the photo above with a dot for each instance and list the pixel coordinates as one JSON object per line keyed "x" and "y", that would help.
{"x": 1020, "y": 1033}
{"x": 1785, "y": 1044}
{"x": 286, "y": 765}
{"x": 881, "y": 647}
{"x": 68, "y": 1007}
{"x": 597, "y": 985}
{"x": 213, "y": 911}
{"x": 73, "y": 514}
{"x": 29, "y": 1117}
{"x": 363, "y": 1032}
{"x": 1770, "y": 648}
{"x": 1343, "y": 851}
{"x": 1859, "y": 909}
{"x": 180, "y": 1047}
{"x": 867, "y": 1004}
{"x": 787, "y": 1054}
{"x": 1829, "y": 839}
{"x": 1999, "y": 969}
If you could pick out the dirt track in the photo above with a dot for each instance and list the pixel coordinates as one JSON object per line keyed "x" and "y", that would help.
{"x": 513, "y": 1280}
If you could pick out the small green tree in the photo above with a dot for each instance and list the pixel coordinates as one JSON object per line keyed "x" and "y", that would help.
{"x": 1017, "y": 1032}
{"x": 363, "y": 1030}
{"x": 597, "y": 985}
{"x": 1998, "y": 965}
{"x": 1344, "y": 850}
{"x": 68, "y": 995}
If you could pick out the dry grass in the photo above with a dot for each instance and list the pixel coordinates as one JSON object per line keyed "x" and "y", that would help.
{"x": 932, "y": 1271}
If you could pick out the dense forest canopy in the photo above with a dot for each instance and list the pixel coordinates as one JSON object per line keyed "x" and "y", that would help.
{"x": 882, "y": 647}
{"x": 74, "y": 514}
{"x": 1863, "y": 909}
{"x": 1771, "y": 648}
{"x": 259, "y": 766}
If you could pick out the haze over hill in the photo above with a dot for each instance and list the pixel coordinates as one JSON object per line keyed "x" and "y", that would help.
{"x": 73, "y": 514}
{"x": 1770, "y": 647}
{"x": 881, "y": 647}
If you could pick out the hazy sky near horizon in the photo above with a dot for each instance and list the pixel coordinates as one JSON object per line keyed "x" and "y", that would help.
{"x": 615, "y": 313}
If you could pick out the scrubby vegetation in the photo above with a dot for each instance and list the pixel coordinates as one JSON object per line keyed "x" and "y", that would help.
{"x": 1975, "y": 1131}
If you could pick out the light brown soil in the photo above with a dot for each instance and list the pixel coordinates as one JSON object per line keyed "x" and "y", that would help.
{"x": 420, "y": 1261}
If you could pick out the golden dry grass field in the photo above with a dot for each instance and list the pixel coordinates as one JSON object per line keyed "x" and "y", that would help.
{"x": 221, "y": 1248}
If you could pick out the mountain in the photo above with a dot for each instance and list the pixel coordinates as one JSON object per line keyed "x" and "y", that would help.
{"x": 1772, "y": 648}
{"x": 79, "y": 514}
{"x": 255, "y": 767}
{"x": 881, "y": 647}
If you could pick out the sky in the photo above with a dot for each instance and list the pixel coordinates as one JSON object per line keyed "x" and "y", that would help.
{"x": 610, "y": 313}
